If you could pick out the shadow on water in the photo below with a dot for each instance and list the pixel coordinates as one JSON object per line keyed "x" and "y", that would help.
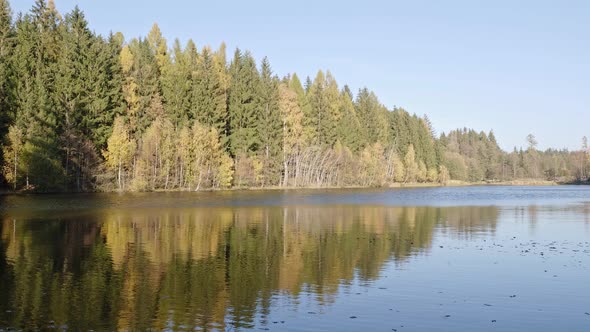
{"x": 204, "y": 268}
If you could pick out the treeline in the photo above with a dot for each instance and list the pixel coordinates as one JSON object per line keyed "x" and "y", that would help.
{"x": 473, "y": 156}
{"x": 85, "y": 112}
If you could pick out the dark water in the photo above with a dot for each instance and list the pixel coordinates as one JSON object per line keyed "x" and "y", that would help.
{"x": 445, "y": 259}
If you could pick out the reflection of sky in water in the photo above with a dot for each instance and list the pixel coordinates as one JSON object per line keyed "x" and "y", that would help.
{"x": 509, "y": 259}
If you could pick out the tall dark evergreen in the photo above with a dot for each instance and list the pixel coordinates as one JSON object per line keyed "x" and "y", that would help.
{"x": 244, "y": 105}
{"x": 208, "y": 96}
{"x": 350, "y": 131}
{"x": 177, "y": 84}
{"x": 142, "y": 87}
{"x": 107, "y": 88}
{"x": 373, "y": 117}
{"x": 323, "y": 97}
{"x": 270, "y": 125}
{"x": 6, "y": 75}
{"x": 38, "y": 116}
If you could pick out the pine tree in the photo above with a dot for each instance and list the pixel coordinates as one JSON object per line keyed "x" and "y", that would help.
{"x": 81, "y": 92}
{"x": 244, "y": 105}
{"x": 105, "y": 92}
{"x": 350, "y": 131}
{"x": 304, "y": 106}
{"x": 141, "y": 88}
{"x": 323, "y": 97}
{"x": 177, "y": 85}
{"x": 208, "y": 94}
{"x": 6, "y": 74}
{"x": 270, "y": 126}
{"x": 38, "y": 116}
{"x": 373, "y": 116}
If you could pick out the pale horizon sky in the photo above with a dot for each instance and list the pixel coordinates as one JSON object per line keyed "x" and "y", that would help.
{"x": 516, "y": 67}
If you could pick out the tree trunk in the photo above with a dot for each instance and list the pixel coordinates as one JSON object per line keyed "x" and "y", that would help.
{"x": 119, "y": 174}
{"x": 15, "y": 166}
{"x": 286, "y": 170}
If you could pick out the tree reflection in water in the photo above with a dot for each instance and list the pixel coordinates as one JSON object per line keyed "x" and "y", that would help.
{"x": 203, "y": 268}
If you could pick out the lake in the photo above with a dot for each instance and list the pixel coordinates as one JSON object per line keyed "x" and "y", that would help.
{"x": 428, "y": 259}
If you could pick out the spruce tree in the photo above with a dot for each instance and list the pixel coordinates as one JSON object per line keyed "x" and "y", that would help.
{"x": 142, "y": 88}
{"x": 244, "y": 105}
{"x": 38, "y": 117}
{"x": 6, "y": 75}
{"x": 208, "y": 96}
{"x": 350, "y": 131}
{"x": 373, "y": 116}
{"x": 269, "y": 125}
{"x": 176, "y": 82}
{"x": 324, "y": 97}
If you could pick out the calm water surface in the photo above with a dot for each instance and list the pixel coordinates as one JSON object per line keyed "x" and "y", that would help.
{"x": 441, "y": 259}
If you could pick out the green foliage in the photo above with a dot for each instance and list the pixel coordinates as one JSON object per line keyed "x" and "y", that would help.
{"x": 176, "y": 82}
{"x": 141, "y": 88}
{"x": 373, "y": 117}
{"x": 323, "y": 97}
{"x": 270, "y": 126}
{"x": 350, "y": 131}
{"x": 244, "y": 105}
{"x": 208, "y": 104}
{"x": 6, "y": 74}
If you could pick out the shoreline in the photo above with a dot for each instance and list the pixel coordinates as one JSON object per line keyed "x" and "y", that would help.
{"x": 452, "y": 183}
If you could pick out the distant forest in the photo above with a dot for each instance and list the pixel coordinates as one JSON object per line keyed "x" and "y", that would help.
{"x": 85, "y": 112}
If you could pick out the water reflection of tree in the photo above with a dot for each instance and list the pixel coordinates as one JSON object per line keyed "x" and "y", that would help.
{"x": 203, "y": 268}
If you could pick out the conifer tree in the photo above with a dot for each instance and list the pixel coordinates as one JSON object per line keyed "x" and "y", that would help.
{"x": 323, "y": 97}
{"x": 304, "y": 106}
{"x": 270, "y": 126}
{"x": 37, "y": 115}
{"x": 106, "y": 93}
{"x": 177, "y": 85}
{"x": 372, "y": 116}
{"x": 244, "y": 105}
{"x": 208, "y": 95}
{"x": 142, "y": 88}
{"x": 6, "y": 74}
{"x": 350, "y": 131}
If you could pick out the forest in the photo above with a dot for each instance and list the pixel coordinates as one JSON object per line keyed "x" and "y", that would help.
{"x": 85, "y": 112}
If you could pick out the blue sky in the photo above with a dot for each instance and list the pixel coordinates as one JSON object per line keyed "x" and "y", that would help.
{"x": 516, "y": 67}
